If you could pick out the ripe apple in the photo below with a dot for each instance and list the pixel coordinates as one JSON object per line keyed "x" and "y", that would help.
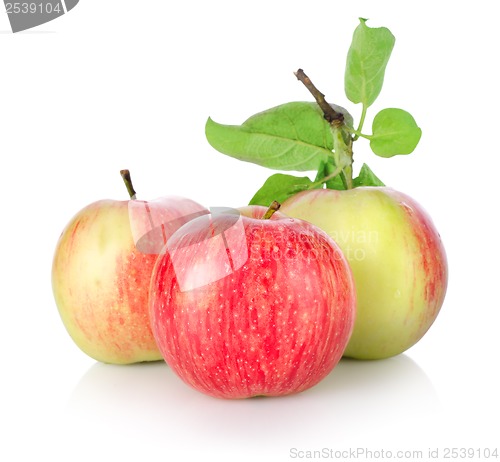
{"x": 101, "y": 272}
{"x": 397, "y": 259}
{"x": 245, "y": 305}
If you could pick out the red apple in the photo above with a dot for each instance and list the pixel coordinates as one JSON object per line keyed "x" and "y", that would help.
{"x": 397, "y": 259}
{"x": 243, "y": 306}
{"x": 101, "y": 272}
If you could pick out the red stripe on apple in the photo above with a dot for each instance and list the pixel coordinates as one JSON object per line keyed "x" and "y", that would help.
{"x": 275, "y": 325}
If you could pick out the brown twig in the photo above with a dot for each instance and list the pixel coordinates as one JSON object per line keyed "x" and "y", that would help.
{"x": 330, "y": 114}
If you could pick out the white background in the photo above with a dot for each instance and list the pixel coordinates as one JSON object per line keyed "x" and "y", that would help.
{"x": 120, "y": 84}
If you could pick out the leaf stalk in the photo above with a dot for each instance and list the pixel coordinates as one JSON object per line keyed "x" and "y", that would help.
{"x": 342, "y": 138}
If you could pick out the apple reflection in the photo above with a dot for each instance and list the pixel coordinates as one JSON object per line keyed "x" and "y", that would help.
{"x": 359, "y": 401}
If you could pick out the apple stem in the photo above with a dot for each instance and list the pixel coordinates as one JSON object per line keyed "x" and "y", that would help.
{"x": 274, "y": 207}
{"x": 128, "y": 183}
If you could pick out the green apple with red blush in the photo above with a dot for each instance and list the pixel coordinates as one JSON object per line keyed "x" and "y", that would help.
{"x": 101, "y": 271}
{"x": 397, "y": 259}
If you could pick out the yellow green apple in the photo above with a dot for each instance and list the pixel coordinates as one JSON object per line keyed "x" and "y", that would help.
{"x": 397, "y": 259}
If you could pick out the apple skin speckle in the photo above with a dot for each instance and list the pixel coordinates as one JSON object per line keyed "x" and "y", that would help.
{"x": 277, "y": 324}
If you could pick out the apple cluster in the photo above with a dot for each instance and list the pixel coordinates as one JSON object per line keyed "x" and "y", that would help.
{"x": 256, "y": 301}
{"x": 253, "y": 301}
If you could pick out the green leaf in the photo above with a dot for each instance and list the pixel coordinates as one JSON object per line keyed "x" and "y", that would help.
{"x": 367, "y": 59}
{"x": 279, "y": 187}
{"x": 327, "y": 168}
{"x": 394, "y": 132}
{"x": 293, "y": 136}
{"x": 367, "y": 178}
